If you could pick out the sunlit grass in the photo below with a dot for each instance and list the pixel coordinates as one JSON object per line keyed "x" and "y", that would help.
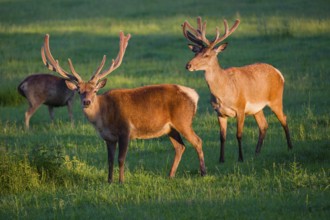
{"x": 250, "y": 26}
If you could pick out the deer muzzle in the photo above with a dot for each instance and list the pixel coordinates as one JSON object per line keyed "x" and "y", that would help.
{"x": 86, "y": 103}
{"x": 188, "y": 67}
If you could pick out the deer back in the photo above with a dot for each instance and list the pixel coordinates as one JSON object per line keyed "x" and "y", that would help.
{"x": 144, "y": 112}
{"x": 45, "y": 88}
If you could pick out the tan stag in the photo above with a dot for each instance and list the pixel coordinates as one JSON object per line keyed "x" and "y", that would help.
{"x": 123, "y": 114}
{"x": 236, "y": 91}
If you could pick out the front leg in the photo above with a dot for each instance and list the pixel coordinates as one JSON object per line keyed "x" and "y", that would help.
{"x": 239, "y": 134}
{"x": 223, "y": 132}
{"x": 123, "y": 146}
{"x": 111, "y": 146}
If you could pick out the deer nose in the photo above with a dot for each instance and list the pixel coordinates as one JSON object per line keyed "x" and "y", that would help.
{"x": 188, "y": 66}
{"x": 86, "y": 102}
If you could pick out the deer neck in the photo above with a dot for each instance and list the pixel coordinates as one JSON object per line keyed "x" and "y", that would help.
{"x": 216, "y": 78}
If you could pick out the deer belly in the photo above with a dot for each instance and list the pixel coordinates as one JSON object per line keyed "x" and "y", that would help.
{"x": 146, "y": 132}
{"x": 253, "y": 108}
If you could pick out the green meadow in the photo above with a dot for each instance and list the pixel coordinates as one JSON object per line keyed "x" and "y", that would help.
{"x": 58, "y": 170}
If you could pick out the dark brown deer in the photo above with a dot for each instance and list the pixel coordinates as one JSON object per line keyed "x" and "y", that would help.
{"x": 45, "y": 89}
{"x": 236, "y": 91}
{"x": 123, "y": 114}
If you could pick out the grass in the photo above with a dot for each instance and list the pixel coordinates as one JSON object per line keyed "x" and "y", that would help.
{"x": 58, "y": 170}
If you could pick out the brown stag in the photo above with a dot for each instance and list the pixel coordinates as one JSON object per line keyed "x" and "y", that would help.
{"x": 236, "y": 91}
{"x": 123, "y": 114}
{"x": 45, "y": 89}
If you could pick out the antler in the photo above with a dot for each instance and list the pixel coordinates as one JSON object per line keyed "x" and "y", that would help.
{"x": 226, "y": 34}
{"x": 197, "y": 36}
{"x": 115, "y": 63}
{"x": 54, "y": 65}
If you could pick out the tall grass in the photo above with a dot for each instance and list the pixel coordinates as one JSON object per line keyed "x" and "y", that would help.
{"x": 58, "y": 169}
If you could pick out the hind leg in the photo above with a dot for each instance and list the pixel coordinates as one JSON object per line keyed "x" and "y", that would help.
{"x": 278, "y": 111}
{"x": 51, "y": 112}
{"x": 179, "y": 149}
{"x": 28, "y": 114}
{"x": 262, "y": 124}
{"x": 192, "y": 137}
{"x": 70, "y": 104}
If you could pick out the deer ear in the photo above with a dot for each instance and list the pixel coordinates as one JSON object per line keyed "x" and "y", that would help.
{"x": 71, "y": 85}
{"x": 101, "y": 83}
{"x": 221, "y": 48}
{"x": 194, "y": 48}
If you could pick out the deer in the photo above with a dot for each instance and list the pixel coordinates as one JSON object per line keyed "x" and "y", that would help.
{"x": 236, "y": 92}
{"x": 120, "y": 115}
{"x": 47, "y": 89}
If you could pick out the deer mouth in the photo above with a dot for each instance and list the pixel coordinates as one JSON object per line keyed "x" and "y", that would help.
{"x": 189, "y": 67}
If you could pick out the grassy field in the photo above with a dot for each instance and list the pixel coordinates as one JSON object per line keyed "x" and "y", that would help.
{"x": 58, "y": 170}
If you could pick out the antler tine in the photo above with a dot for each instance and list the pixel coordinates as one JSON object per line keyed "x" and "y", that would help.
{"x": 98, "y": 70}
{"x": 199, "y": 24}
{"x": 217, "y": 34}
{"x": 116, "y": 63}
{"x": 226, "y": 34}
{"x": 44, "y": 60}
{"x": 51, "y": 63}
{"x": 204, "y": 39}
{"x": 79, "y": 79}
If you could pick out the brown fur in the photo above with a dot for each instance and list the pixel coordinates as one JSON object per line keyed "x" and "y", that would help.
{"x": 45, "y": 89}
{"x": 120, "y": 115}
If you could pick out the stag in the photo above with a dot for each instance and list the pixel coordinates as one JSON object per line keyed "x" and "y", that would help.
{"x": 45, "y": 89}
{"x": 120, "y": 115}
{"x": 236, "y": 91}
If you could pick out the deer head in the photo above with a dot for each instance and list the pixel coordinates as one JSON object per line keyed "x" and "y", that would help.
{"x": 87, "y": 90}
{"x": 206, "y": 51}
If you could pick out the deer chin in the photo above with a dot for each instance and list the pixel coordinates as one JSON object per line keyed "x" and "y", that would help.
{"x": 192, "y": 69}
{"x": 85, "y": 106}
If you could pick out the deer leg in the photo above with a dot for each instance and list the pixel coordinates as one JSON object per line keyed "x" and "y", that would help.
{"x": 28, "y": 114}
{"x": 239, "y": 134}
{"x": 69, "y": 104}
{"x": 262, "y": 124}
{"x": 111, "y": 146}
{"x": 179, "y": 148}
{"x": 123, "y": 145}
{"x": 196, "y": 142}
{"x": 51, "y": 112}
{"x": 278, "y": 111}
{"x": 223, "y": 132}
